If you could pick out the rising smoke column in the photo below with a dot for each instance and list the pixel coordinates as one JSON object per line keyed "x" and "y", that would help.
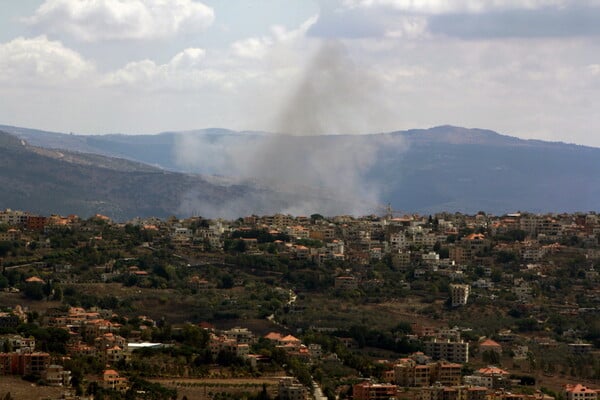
{"x": 334, "y": 97}
{"x": 316, "y": 161}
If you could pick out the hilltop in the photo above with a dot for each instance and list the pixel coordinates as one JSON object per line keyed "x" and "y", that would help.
{"x": 62, "y": 181}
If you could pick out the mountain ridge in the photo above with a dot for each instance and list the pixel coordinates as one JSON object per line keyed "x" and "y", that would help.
{"x": 40, "y": 181}
{"x": 445, "y": 168}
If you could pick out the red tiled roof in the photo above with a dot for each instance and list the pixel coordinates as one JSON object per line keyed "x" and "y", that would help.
{"x": 290, "y": 338}
{"x": 273, "y": 336}
{"x": 578, "y": 388}
{"x": 492, "y": 371}
{"x": 489, "y": 343}
{"x": 110, "y": 372}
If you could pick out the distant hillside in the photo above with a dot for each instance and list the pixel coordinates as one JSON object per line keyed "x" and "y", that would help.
{"x": 448, "y": 168}
{"x": 425, "y": 170}
{"x": 65, "y": 182}
{"x": 158, "y": 150}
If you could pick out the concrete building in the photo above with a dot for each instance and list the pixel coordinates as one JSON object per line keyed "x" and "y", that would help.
{"x": 409, "y": 373}
{"x": 56, "y": 375}
{"x": 24, "y": 363}
{"x": 490, "y": 345}
{"x": 113, "y": 381}
{"x": 374, "y": 391}
{"x": 456, "y": 352}
{"x": 459, "y": 294}
{"x": 289, "y": 389}
{"x": 579, "y": 392}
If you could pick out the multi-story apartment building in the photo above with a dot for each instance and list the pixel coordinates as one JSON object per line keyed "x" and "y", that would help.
{"x": 24, "y": 363}
{"x": 459, "y": 294}
{"x": 374, "y": 391}
{"x": 112, "y": 380}
{"x": 289, "y": 389}
{"x": 409, "y": 373}
{"x": 456, "y": 352}
{"x": 56, "y": 375}
{"x": 13, "y": 217}
{"x": 241, "y": 335}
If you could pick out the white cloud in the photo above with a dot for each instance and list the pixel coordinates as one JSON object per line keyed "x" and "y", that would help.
{"x": 408, "y": 27}
{"x": 189, "y": 58}
{"x": 185, "y": 71}
{"x": 283, "y": 34}
{"x": 445, "y": 6}
{"x": 594, "y": 69}
{"x": 97, "y": 20}
{"x": 254, "y": 47}
{"x": 258, "y": 47}
{"x": 542, "y": 86}
{"x": 41, "y": 61}
{"x": 247, "y": 66}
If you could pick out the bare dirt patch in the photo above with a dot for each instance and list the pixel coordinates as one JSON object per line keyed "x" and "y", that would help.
{"x": 23, "y": 390}
{"x": 13, "y": 299}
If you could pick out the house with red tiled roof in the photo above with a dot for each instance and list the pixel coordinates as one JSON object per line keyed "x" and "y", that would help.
{"x": 274, "y": 336}
{"x": 112, "y": 380}
{"x": 289, "y": 343}
{"x": 290, "y": 339}
{"x": 81, "y": 349}
{"x": 217, "y": 344}
{"x": 490, "y": 345}
{"x": 111, "y": 348}
{"x": 34, "y": 279}
{"x": 580, "y": 392}
{"x": 491, "y": 370}
{"x": 489, "y": 377}
{"x": 475, "y": 236}
{"x": 301, "y": 252}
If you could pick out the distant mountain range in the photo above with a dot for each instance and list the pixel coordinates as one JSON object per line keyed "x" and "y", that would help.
{"x": 61, "y": 181}
{"x": 214, "y": 171}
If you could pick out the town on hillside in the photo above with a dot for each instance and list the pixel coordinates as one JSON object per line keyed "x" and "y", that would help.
{"x": 409, "y": 307}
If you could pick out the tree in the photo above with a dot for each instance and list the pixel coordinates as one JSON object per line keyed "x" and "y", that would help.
{"x": 34, "y": 290}
{"x": 227, "y": 281}
{"x": 316, "y": 217}
{"x": 491, "y": 357}
{"x": 263, "y": 394}
{"x": 5, "y": 248}
{"x": 527, "y": 325}
{"x": 505, "y": 257}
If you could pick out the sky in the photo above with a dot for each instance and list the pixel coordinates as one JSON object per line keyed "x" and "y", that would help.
{"x": 526, "y": 68}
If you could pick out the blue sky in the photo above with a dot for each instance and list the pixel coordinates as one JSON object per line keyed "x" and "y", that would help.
{"x": 527, "y": 68}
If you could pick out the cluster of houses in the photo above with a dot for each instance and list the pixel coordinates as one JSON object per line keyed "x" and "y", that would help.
{"x": 408, "y": 239}
{"x": 433, "y": 244}
{"x": 435, "y": 374}
{"x": 444, "y": 244}
{"x": 19, "y": 356}
{"x": 368, "y": 390}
